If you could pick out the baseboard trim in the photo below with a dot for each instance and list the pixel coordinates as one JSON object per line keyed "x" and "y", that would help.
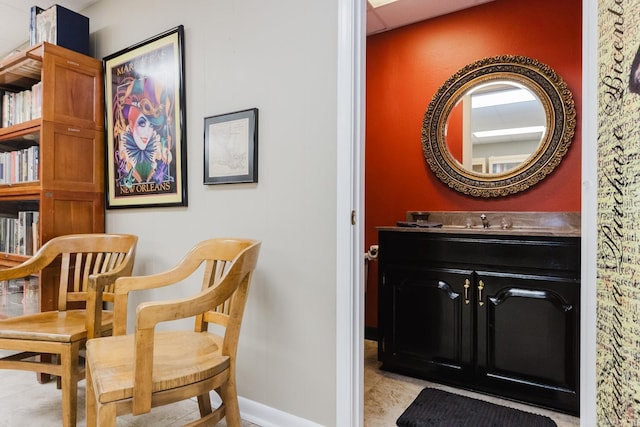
{"x": 264, "y": 415}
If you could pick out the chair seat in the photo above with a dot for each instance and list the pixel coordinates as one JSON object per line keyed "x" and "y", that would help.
{"x": 179, "y": 358}
{"x": 53, "y": 326}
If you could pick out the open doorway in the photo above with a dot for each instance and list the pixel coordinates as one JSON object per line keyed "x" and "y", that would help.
{"x": 370, "y": 241}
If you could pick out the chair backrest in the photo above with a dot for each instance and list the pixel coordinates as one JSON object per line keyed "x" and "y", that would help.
{"x": 229, "y": 263}
{"x": 74, "y": 258}
{"x": 228, "y": 267}
{"x": 85, "y": 267}
{"x": 81, "y": 256}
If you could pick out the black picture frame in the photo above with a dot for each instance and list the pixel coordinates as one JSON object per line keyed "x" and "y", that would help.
{"x": 145, "y": 118}
{"x": 231, "y": 147}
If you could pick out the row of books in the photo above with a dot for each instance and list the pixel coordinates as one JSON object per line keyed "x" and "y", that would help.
{"x": 20, "y": 235}
{"x": 20, "y": 165}
{"x": 19, "y": 107}
{"x": 28, "y": 285}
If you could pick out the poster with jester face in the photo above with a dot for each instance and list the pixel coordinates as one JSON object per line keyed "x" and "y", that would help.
{"x": 145, "y": 123}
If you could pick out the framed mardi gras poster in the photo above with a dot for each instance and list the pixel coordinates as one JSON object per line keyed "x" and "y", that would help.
{"x": 145, "y": 119}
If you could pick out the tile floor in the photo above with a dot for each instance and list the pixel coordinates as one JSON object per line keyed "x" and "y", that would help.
{"x": 19, "y": 391}
{"x": 386, "y": 394}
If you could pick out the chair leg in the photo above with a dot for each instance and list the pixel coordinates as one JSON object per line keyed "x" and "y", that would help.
{"x": 56, "y": 359}
{"x": 97, "y": 413}
{"x": 43, "y": 378}
{"x": 69, "y": 362}
{"x": 204, "y": 404}
{"x": 106, "y": 415}
{"x": 90, "y": 400}
{"x": 229, "y": 396}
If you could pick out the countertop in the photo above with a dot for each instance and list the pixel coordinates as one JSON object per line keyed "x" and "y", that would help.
{"x": 565, "y": 224}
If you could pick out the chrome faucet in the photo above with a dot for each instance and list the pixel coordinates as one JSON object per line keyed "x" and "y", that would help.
{"x": 485, "y": 221}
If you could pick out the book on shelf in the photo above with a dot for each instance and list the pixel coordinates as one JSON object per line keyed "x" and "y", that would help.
{"x": 33, "y": 35}
{"x": 36, "y": 101}
{"x": 35, "y": 233}
{"x": 19, "y": 107}
{"x": 4, "y": 108}
{"x": 20, "y": 233}
{"x": 20, "y": 165}
{"x": 7, "y": 108}
{"x": 27, "y": 221}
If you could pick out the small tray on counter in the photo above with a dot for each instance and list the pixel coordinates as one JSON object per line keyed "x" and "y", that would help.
{"x": 419, "y": 224}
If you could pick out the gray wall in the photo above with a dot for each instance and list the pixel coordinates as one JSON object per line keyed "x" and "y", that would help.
{"x": 281, "y": 57}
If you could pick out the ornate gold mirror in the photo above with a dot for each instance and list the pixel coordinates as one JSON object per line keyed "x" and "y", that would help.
{"x": 498, "y": 126}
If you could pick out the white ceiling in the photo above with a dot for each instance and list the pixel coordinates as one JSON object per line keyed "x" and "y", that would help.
{"x": 405, "y": 12}
{"x": 14, "y": 19}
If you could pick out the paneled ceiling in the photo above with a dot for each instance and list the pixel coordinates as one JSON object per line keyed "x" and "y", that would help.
{"x": 405, "y": 12}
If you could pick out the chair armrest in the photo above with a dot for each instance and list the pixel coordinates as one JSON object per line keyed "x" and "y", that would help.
{"x": 33, "y": 265}
{"x": 178, "y": 273}
{"x": 124, "y": 285}
{"x": 96, "y": 285}
{"x": 149, "y": 314}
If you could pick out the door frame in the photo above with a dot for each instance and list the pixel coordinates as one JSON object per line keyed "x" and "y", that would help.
{"x": 350, "y": 198}
{"x": 350, "y": 214}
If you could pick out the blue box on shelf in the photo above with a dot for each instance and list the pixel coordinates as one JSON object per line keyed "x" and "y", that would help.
{"x": 61, "y": 26}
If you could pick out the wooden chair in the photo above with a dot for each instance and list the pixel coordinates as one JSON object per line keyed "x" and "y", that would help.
{"x": 133, "y": 373}
{"x": 50, "y": 342}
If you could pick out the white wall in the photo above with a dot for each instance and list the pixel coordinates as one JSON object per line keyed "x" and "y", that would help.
{"x": 279, "y": 56}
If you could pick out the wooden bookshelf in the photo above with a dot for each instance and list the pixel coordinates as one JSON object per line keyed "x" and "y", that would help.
{"x": 69, "y": 191}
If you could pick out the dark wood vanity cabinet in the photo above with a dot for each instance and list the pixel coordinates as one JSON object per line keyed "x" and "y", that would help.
{"x": 494, "y": 313}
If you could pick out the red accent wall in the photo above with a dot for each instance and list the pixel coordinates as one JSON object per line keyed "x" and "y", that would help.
{"x": 406, "y": 66}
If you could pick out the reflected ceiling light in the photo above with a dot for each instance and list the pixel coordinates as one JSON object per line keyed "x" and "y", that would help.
{"x": 378, "y": 3}
{"x": 506, "y": 132}
{"x": 501, "y": 98}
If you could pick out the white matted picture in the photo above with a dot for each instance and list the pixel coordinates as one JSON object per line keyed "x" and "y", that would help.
{"x": 231, "y": 147}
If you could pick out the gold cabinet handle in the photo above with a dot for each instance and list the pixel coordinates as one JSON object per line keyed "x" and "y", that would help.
{"x": 480, "y": 288}
{"x": 467, "y": 283}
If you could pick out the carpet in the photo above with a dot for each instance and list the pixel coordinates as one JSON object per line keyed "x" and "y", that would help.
{"x": 437, "y": 408}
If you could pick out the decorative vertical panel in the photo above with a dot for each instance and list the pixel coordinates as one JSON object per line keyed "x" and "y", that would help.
{"x": 618, "y": 282}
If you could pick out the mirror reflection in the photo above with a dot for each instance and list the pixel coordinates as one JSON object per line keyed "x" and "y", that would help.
{"x": 495, "y": 127}
{"x": 498, "y": 126}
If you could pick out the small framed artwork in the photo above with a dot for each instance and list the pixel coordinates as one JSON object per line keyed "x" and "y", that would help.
{"x": 146, "y": 123}
{"x": 231, "y": 147}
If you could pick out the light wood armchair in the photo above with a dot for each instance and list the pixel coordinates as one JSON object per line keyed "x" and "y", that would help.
{"x": 133, "y": 373}
{"x": 50, "y": 342}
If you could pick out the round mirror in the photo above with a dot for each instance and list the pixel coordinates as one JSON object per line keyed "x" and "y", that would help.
{"x": 498, "y": 126}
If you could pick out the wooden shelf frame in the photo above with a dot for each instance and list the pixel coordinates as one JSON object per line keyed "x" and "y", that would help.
{"x": 69, "y": 194}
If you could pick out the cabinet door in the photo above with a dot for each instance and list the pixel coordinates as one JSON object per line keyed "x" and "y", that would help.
{"x": 426, "y": 316}
{"x": 72, "y": 89}
{"x": 72, "y": 159}
{"x": 528, "y": 338}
